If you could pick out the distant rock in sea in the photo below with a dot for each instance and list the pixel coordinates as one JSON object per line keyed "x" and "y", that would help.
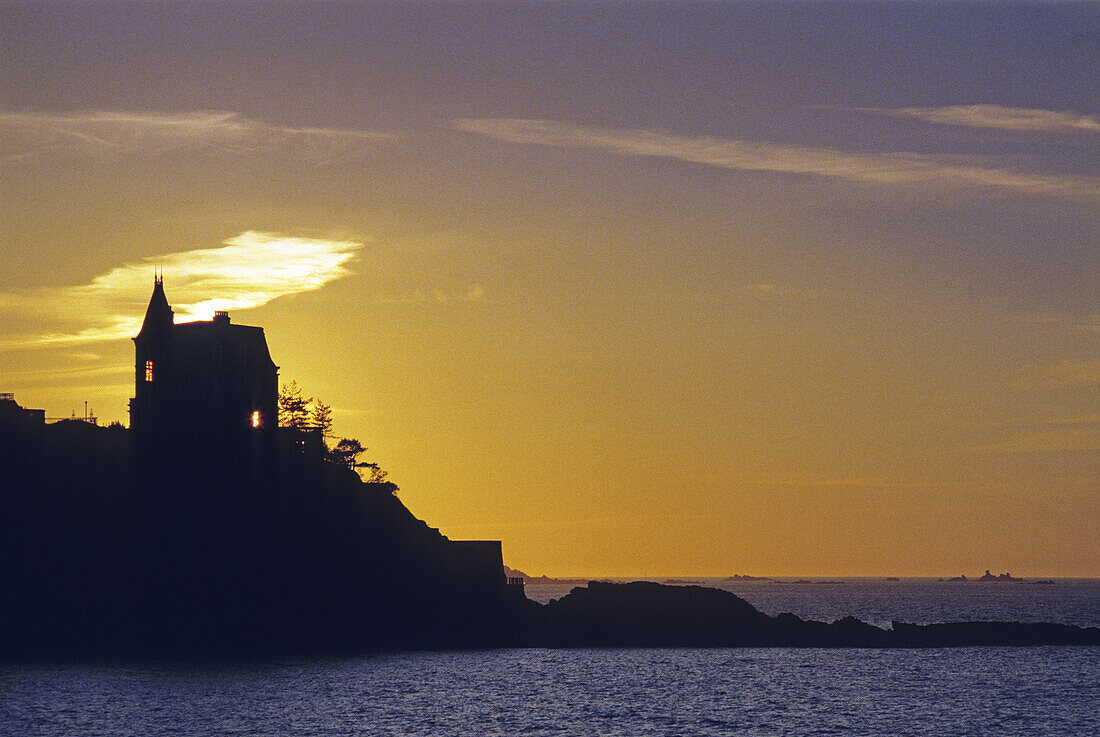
{"x": 740, "y": 577}
{"x": 1000, "y": 578}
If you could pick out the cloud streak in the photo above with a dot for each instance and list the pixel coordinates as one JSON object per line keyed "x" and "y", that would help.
{"x": 769, "y": 290}
{"x": 819, "y": 480}
{"x": 121, "y": 133}
{"x": 1088, "y": 324}
{"x": 1047, "y": 440}
{"x": 997, "y": 117}
{"x": 885, "y": 168}
{"x": 249, "y": 270}
{"x": 1065, "y": 373}
{"x": 475, "y": 293}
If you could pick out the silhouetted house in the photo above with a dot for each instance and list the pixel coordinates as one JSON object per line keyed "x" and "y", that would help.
{"x": 14, "y": 417}
{"x": 205, "y": 398}
{"x": 21, "y": 432}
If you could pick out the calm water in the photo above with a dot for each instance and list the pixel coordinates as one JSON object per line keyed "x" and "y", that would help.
{"x": 975, "y": 691}
{"x": 968, "y": 691}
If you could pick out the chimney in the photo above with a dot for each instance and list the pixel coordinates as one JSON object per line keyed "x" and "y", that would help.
{"x": 221, "y": 317}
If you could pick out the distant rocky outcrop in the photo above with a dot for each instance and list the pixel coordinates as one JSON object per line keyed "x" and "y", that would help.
{"x": 644, "y": 614}
{"x": 988, "y": 577}
{"x": 740, "y": 577}
{"x": 1000, "y": 578}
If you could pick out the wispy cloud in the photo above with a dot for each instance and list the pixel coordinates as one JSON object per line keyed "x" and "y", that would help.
{"x": 828, "y": 481}
{"x": 1064, "y": 373}
{"x": 885, "y": 168}
{"x": 767, "y": 290}
{"x": 474, "y": 293}
{"x": 1047, "y": 440}
{"x": 1027, "y": 120}
{"x": 150, "y": 133}
{"x": 1088, "y": 324}
{"x": 249, "y": 270}
{"x": 34, "y": 377}
{"x": 1057, "y": 428}
{"x": 1081, "y": 419}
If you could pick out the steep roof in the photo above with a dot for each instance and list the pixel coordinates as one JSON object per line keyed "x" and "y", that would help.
{"x": 190, "y": 335}
{"x": 158, "y": 315}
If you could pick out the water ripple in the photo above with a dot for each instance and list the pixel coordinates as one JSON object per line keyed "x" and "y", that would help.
{"x": 756, "y": 692}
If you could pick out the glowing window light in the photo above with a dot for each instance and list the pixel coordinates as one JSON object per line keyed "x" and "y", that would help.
{"x": 256, "y": 418}
{"x": 149, "y": 371}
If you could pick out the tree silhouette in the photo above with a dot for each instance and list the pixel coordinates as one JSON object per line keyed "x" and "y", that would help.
{"x": 376, "y": 474}
{"x": 347, "y": 453}
{"x": 295, "y": 411}
{"x": 321, "y": 418}
{"x": 293, "y": 407}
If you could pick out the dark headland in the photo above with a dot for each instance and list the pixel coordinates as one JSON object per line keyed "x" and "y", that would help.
{"x": 97, "y": 565}
{"x": 204, "y": 529}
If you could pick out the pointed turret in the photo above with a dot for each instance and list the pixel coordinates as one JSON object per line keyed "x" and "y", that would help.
{"x": 152, "y": 348}
{"x": 159, "y": 315}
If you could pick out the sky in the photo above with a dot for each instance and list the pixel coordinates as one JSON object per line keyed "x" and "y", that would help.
{"x": 637, "y": 288}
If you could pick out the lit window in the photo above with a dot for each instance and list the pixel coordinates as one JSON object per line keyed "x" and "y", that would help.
{"x": 149, "y": 371}
{"x": 256, "y": 418}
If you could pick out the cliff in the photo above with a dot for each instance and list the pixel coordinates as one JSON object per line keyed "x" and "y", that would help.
{"x": 98, "y": 560}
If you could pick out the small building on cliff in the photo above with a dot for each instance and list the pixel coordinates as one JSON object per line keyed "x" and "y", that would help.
{"x": 212, "y": 463}
{"x": 205, "y": 397}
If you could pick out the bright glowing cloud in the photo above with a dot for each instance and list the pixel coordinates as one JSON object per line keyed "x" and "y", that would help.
{"x": 136, "y": 132}
{"x": 886, "y": 168}
{"x": 998, "y": 117}
{"x": 250, "y": 270}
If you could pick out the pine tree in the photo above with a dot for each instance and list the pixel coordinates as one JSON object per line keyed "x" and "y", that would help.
{"x": 321, "y": 418}
{"x": 293, "y": 407}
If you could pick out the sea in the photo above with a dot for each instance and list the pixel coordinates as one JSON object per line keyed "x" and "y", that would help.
{"x": 995, "y": 691}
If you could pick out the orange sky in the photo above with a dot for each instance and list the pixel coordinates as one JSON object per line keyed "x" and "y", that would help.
{"x": 663, "y": 290}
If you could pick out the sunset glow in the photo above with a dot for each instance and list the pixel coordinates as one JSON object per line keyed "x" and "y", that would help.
{"x": 636, "y": 288}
